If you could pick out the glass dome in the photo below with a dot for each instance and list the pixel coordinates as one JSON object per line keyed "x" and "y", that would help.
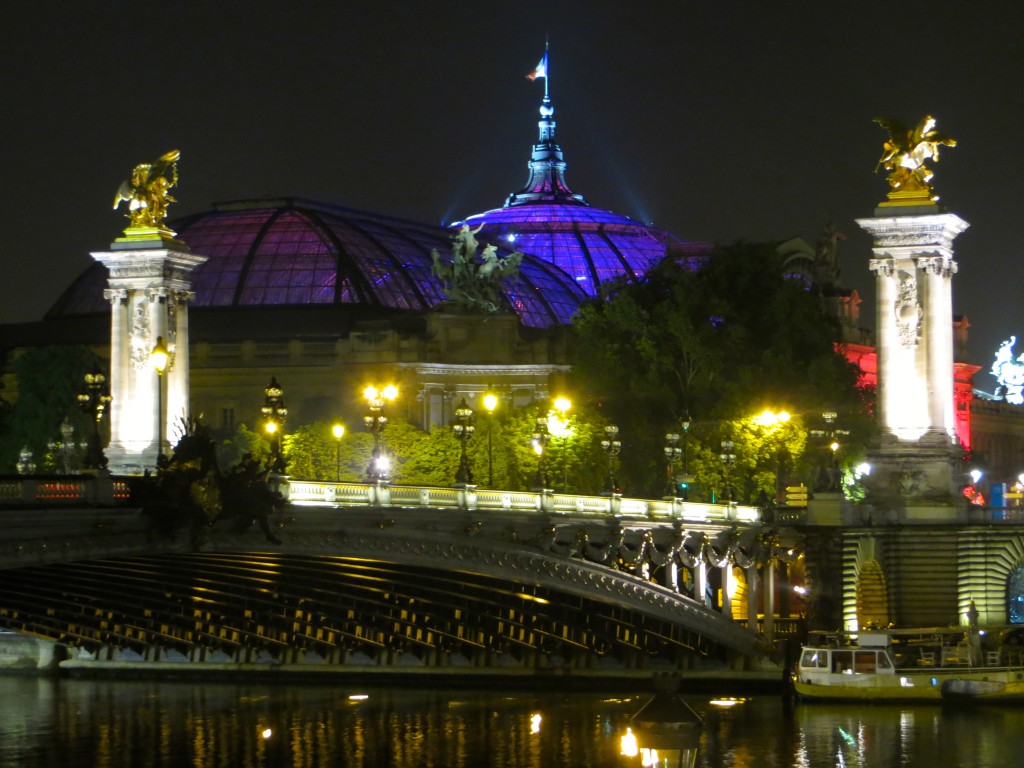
{"x": 589, "y": 244}
{"x": 272, "y": 253}
{"x": 548, "y": 220}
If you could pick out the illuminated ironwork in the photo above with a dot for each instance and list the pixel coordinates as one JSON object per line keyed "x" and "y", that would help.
{"x": 728, "y": 459}
{"x": 65, "y": 445}
{"x": 94, "y": 401}
{"x": 611, "y": 447}
{"x": 463, "y": 429}
{"x": 539, "y": 442}
{"x": 274, "y": 416}
{"x": 376, "y": 421}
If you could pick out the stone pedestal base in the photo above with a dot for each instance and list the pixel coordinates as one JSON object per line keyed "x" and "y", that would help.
{"x": 916, "y": 483}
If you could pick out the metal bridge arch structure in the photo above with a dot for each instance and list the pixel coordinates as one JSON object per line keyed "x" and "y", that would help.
{"x": 387, "y": 577}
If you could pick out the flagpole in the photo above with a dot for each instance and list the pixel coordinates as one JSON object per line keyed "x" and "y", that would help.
{"x": 547, "y": 68}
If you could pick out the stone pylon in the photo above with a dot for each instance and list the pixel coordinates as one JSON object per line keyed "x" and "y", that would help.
{"x": 916, "y": 469}
{"x": 149, "y": 289}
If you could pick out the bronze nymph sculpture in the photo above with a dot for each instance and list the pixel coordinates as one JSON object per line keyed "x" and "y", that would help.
{"x": 147, "y": 192}
{"x": 906, "y": 152}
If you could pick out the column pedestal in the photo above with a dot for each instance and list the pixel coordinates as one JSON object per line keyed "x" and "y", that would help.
{"x": 149, "y": 286}
{"x": 916, "y": 474}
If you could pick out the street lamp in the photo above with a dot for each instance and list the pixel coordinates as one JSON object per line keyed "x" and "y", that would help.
{"x": 829, "y": 434}
{"x": 672, "y": 454}
{"x": 94, "y": 401}
{"x": 728, "y": 459}
{"x": 611, "y": 446}
{"x": 274, "y": 416}
{"x": 541, "y": 438}
{"x": 65, "y": 445}
{"x": 338, "y": 430}
{"x": 375, "y": 422}
{"x": 685, "y": 424}
{"x": 463, "y": 429}
{"x": 769, "y": 421}
{"x": 160, "y": 357}
{"x": 490, "y": 403}
{"x": 559, "y": 427}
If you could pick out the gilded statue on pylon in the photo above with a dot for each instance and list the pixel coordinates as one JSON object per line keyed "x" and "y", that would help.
{"x": 906, "y": 152}
{"x": 474, "y": 282}
{"x": 147, "y": 192}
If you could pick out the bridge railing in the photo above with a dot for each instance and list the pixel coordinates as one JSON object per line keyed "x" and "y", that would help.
{"x": 331, "y": 494}
{"x": 63, "y": 490}
{"x": 107, "y": 490}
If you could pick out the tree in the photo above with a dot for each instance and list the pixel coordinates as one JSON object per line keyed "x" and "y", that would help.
{"x": 49, "y": 381}
{"x": 721, "y": 341}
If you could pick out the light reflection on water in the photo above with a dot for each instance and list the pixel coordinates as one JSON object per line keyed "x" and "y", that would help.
{"x": 102, "y": 723}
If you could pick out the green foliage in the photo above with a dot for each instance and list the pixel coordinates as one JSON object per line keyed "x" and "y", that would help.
{"x": 49, "y": 381}
{"x": 721, "y": 341}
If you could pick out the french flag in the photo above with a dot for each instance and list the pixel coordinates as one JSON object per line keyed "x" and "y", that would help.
{"x": 541, "y": 70}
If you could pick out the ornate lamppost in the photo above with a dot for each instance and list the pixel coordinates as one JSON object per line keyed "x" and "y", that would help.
{"x": 65, "y": 445}
{"x": 160, "y": 357}
{"x": 338, "y": 430}
{"x": 559, "y": 427}
{"x": 463, "y": 429}
{"x": 672, "y": 454}
{"x": 611, "y": 446}
{"x": 375, "y": 422}
{"x": 490, "y": 403}
{"x": 728, "y": 459}
{"x": 687, "y": 478}
{"x": 94, "y": 401}
{"x": 771, "y": 423}
{"x": 274, "y": 416}
{"x": 541, "y": 438}
{"x": 830, "y": 434}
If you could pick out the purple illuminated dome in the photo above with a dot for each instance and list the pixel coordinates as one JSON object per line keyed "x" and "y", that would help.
{"x": 279, "y": 253}
{"x": 550, "y": 221}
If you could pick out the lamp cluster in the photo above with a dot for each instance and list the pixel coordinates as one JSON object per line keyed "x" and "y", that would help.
{"x": 274, "y": 415}
{"x": 94, "y": 401}
{"x": 376, "y": 421}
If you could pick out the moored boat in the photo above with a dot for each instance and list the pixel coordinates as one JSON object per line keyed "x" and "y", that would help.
{"x": 912, "y": 665}
{"x": 995, "y": 688}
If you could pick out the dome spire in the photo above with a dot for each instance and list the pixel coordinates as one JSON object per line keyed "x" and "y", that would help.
{"x": 547, "y": 165}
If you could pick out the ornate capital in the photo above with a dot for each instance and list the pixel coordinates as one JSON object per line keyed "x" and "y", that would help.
{"x": 116, "y": 295}
{"x": 157, "y": 293}
{"x": 937, "y": 265}
{"x": 883, "y": 267}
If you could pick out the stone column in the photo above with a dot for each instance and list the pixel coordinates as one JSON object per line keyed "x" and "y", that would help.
{"x": 726, "y": 599}
{"x": 146, "y": 277}
{"x": 700, "y": 582}
{"x": 915, "y": 474}
{"x": 753, "y": 596}
{"x": 119, "y": 357}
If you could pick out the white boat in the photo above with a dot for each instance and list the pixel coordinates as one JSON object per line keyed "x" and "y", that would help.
{"x": 907, "y": 665}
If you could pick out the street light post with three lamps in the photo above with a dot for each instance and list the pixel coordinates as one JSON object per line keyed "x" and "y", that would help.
{"x": 274, "y": 415}
{"x": 94, "y": 401}
{"x": 611, "y": 446}
{"x": 728, "y": 459}
{"x": 376, "y": 421}
{"x": 463, "y": 429}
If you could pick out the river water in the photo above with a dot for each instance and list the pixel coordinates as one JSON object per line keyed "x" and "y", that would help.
{"x": 68, "y": 723}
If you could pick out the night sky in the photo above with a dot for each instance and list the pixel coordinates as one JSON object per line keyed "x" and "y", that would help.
{"x": 720, "y": 121}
